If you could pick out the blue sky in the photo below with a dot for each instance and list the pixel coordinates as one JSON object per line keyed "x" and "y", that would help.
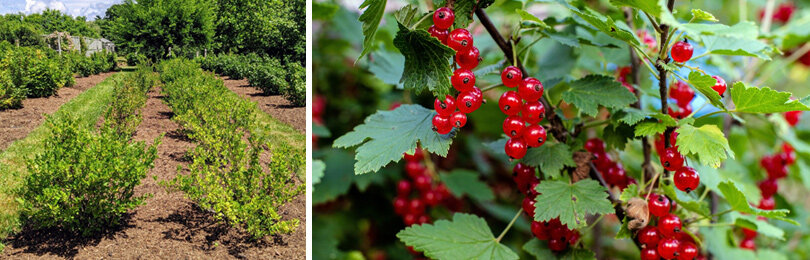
{"x": 88, "y": 8}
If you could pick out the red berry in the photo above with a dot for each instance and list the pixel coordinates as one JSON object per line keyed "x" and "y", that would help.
{"x": 410, "y": 219}
{"x": 441, "y": 124}
{"x": 539, "y": 230}
{"x": 443, "y": 18}
{"x": 787, "y": 148}
{"x": 615, "y": 175}
{"x": 515, "y": 148}
{"x": 682, "y": 112}
{"x": 720, "y": 86}
{"x": 767, "y": 203}
{"x": 468, "y": 59}
{"x": 535, "y": 135}
{"x": 528, "y": 206}
{"x": 460, "y": 40}
{"x": 445, "y": 107}
{"x": 467, "y": 102}
{"x": 688, "y": 251}
{"x": 788, "y": 155}
{"x": 510, "y": 103}
{"x": 573, "y": 237}
{"x": 401, "y": 205}
{"x": 416, "y": 207}
{"x": 416, "y": 156}
{"x": 513, "y": 126}
{"x": 403, "y": 188}
{"x": 530, "y": 89}
{"x": 792, "y": 117}
{"x": 649, "y": 236}
{"x": 650, "y": 254}
{"x": 423, "y": 219}
{"x": 423, "y": 182}
{"x": 594, "y": 145}
{"x": 431, "y": 197}
{"x": 681, "y": 51}
{"x": 768, "y": 187}
{"x": 681, "y": 92}
{"x": 749, "y": 233}
{"x": 668, "y": 248}
{"x": 439, "y": 34}
{"x": 533, "y": 112}
{"x": 458, "y": 119}
{"x": 463, "y": 79}
{"x": 748, "y": 243}
{"x": 511, "y": 76}
{"x": 414, "y": 169}
{"x": 658, "y": 205}
{"x": 557, "y": 245}
{"x": 686, "y": 179}
{"x": 669, "y": 225}
{"x": 672, "y": 160}
{"x": 523, "y": 176}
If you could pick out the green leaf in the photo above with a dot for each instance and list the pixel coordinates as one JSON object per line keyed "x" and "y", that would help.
{"x": 371, "y": 18}
{"x": 651, "y": 7}
{"x": 539, "y": 249}
{"x": 337, "y": 178}
{"x": 704, "y": 84}
{"x": 571, "y": 202}
{"x": 762, "y": 227}
{"x": 318, "y": 167}
{"x": 737, "y": 46}
{"x": 551, "y": 158}
{"x": 624, "y": 231}
{"x": 763, "y": 100}
{"x": 630, "y": 115}
{"x": 426, "y": 61}
{"x": 698, "y": 207}
{"x": 320, "y": 131}
{"x": 736, "y": 199}
{"x": 465, "y": 237}
{"x": 528, "y": 20}
{"x": 698, "y": 15}
{"x": 650, "y": 128}
{"x": 465, "y": 182}
{"x": 629, "y": 192}
{"x": 324, "y": 11}
{"x": 606, "y": 25}
{"x": 617, "y": 135}
{"x": 610, "y": 92}
{"x": 707, "y": 143}
{"x": 385, "y": 135}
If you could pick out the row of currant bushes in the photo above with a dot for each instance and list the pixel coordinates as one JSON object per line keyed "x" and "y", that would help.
{"x": 96, "y": 63}
{"x": 225, "y": 174}
{"x": 272, "y": 76}
{"x": 84, "y": 182}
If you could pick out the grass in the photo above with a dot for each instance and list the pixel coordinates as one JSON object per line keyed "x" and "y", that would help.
{"x": 87, "y": 108}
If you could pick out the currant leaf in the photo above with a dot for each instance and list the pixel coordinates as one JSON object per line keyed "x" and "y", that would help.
{"x": 704, "y": 83}
{"x": 629, "y": 192}
{"x": 698, "y": 15}
{"x": 763, "y": 100}
{"x": 724, "y": 45}
{"x": 337, "y": 178}
{"x": 571, "y": 202}
{"x": 624, "y": 231}
{"x": 465, "y": 237}
{"x": 762, "y": 227}
{"x": 616, "y": 135}
{"x": 652, "y": 8}
{"x": 655, "y": 126}
{"x": 318, "y": 167}
{"x": 465, "y": 182}
{"x": 607, "y": 25}
{"x": 385, "y": 135}
{"x": 737, "y": 200}
{"x": 370, "y": 18}
{"x": 551, "y": 158}
{"x": 630, "y": 115}
{"x": 539, "y": 249}
{"x": 707, "y": 143}
{"x": 426, "y": 62}
{"x": 528, "y": 20}
{"x": 698, "y": 207}
{"x": 610, "y": 92}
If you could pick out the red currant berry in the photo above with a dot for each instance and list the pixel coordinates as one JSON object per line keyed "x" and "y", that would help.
{"x": 423, "y": 219}
{"x": 672, "y": 159}
{"x": 788, "y": 156}
{"x": 594, "y": 145}
{"x": 668, "y": 248}
{"x": 410, "y": 219}
{"x": 403, "y": 188}
{"x": 458, "y": 119}
{"x": 539, "y": 230}
{"x": 658, "y": 205}
{"x": 416, "y": 207}
{"x": 749, "y": 233}
{"x": 748, "y": 243}
{"x": 787, "y": 148}
{"x": 460, "y": 40}
{"x": 681, "y": 92}
{"x": 688, "y": 251}
{"x": 615, "y": 175}
{"x": 416, "y": 156}
{"x": 422, "y": 182}
{"x": 720, "y": 86}
{"x": 468, "y": 59}
{"x": 443, "y": 18}
{"x": 513, "y": 126}
{"x": 523, "y": 176}
{"x": 445, "y": 107}
{"x": 515, "y": 148}
{"x": 441, "y": 124}
{"x": 463, "y": 80}
{"x": 767, "y": 203}
{"x": 557, "y": 245}
{"x": 511, "y": 76}
{"x": 573, "y": 237}
{"x": 649, "y": 236}
{"x": 682, "y": 112}
{"x": 431, "y": 198}
{"x": 528, "y": 206}
{"x": 439, "y": 34}
{"x": 686, "y": 179}
{"x": 414, "y": 169}
{"x": 681, "y": 51}
{"x": 650, "y": 254}
{"x": 669, "y": 225}
{"x": 468, "y": 101}
{"x": 533, "y": 112}
{"x": 535, "y": 135}
{"x": 510, "y": 103}
{"x": 400, "y": 205}
{"x": 792, "y": 117}
{"x": 530, "y": 89}
{"x": 768, "y": 187}
{"x": 779, "y": 169}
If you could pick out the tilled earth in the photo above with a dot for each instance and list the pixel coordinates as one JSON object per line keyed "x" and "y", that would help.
{"x": 275, "y": 105}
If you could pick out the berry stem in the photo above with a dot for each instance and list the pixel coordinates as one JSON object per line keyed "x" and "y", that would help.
{"x": 490, "y": 87}
{"x": 503, "y": 233}
{"x": 425, "y": 17}
{"x": 617, "y": 204}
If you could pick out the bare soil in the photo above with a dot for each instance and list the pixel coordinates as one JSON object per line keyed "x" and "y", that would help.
{"x": 275, "y": 105}
{"x": 168, "y": 226}
{"x": 15, "y": 124}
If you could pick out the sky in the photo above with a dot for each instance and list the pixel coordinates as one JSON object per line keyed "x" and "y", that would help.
{"x": 87, "y": 8}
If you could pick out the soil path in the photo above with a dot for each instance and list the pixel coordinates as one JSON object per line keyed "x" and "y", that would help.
{"x": 275, "y": 105}
{"x": 15, "y": 124}
{"x": 168, "y": 226}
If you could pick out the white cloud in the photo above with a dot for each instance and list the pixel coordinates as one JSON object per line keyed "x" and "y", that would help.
{"x": 87, "y": 8}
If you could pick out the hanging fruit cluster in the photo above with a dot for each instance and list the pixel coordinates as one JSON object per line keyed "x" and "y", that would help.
{"x": 622, "y": 78}
{"x": 522, "y": 107}
{"x": 665, "y": 239}
{"x": 559, "y": 237}
{"x": 613, "y": 172}
{"x": 426, "y": 192}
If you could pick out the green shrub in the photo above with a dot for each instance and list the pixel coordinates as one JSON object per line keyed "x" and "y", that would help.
{"x": 296, "y": 90}
{"x": 123, "y": 115}
{"x": 269, "y": 77}
{"x": 11, "y": 95}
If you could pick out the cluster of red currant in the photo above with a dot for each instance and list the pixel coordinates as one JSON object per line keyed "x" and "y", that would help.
{"x": 622, "y": 78}
{"x": 686, "y": 178}
{"x": 666, "y": 240}
{"x": 470, "y": 97}
{"x": 781, "y": 14}
{"x": 648, "y": 40}
{"x": 529, "y": 90}
{"x": 427, "y": 193}
{"x": 613, "y": 172}
{"x": 792, "y": 117}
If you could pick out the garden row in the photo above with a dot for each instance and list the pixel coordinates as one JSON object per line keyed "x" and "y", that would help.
{"x": 226, "y": 175}
{"x": 272, "y": 76}
{"x": 33, "y": 72}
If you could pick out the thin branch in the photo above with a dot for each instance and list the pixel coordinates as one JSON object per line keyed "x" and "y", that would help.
{"x": 509, "y": 226}
{"x": 662, "y": 76}
{"x": 617, "y": 204}
{"x": 635, "y": 62}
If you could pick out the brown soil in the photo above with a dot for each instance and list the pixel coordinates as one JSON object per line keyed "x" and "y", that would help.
{"x": 168, "y": 225}
{"x": 15, "y": 124}
{"x": 275, "y": 105}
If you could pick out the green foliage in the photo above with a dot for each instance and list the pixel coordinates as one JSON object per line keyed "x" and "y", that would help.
{"x": 34, "y": 71}
{"x": 371, "y": 20}
{"x": 583, "y": 91}
{"x": 471, "y": 239}
{"x": 551, "y": 158}
{"x": 296, "y": 88}
{"x": 571, "y": 202}
{"x": 750, "y": 99}
{"x": 707, "y": 143}
{"x": 270, "y": 28}
{"x": 426, "y": 66}
{"x": 11, "y": 95}
{"x": 267, "y": 74}
{"x": 464, "y": 182}
{"x": 123, "y": 114}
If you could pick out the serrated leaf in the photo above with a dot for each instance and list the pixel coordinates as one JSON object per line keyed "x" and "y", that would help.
{"x": 551, "y": 158}
{"x": 463, "y": 10}
{"x": 630, "y": 115}
{"x": 617, "y": 135}
{"x": 465, "y": 182}
{"x": 698, "y": 207}
{"x": 385, "y": 135}
{"x": 370, "y": 18}
{"x": 724, "y": 45}
{"x": 465, "y": 237}
{"x": 426, "y": 62}
{"x": 409, "y": 15}
{"x": 624, "y": 231}
{"x": 539, "y": 250}
{"x": 651, "y": 7}
{"x": 707, "y": 143}
{"x": 571, "y": 202}
{"x": 605, "y": 24}
{"x": 698, "y": 15}
{"x": 762, "y": 227}
{"x": 629, "y": 192}
{"x": 704, "y": 83}
{"x": 610, "y": 92}
{"x": 318, "y": 167}
{"x": 650, "y": 128}
{"x": 737, "y": 201}
{"x": 528, "y": 20}
{"x": 763, "y": 100}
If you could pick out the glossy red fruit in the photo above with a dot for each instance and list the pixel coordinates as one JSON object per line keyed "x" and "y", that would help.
{"x": 649, "y": 236}
{"x": 463, "y": 80}
{"x": 792, "y": 117}
{"x": 422, "y": 182}
{"x": 681, "y": 92}
{"x": 720, "y": 86}
{"x": 533, "y": 112}
{"x": 669, "y": 225}
{"x": 400, "y": 205}
{"x": 594, "y": 145}
{"x": 681, "y": 113}
{"x": 539, "y": 230}
{"x": 414, "y": 169}
{"x": 530, "y": 89}
{"x": 441, "y": 124}
{"x": 557, "y": 245}
{"x": 681, "y": 51}
{"x": 686, "y": 179}
{"x": 535, "y": 135}
{"x": 431, "y": 197}
{"x": 510, "y": 103}
{"x": 528, "y": 206}
{"x": 615, "y": 175}
{"x": 748, "y": 243}
{"x": 573, "y": 237}
{"x": 467, "y": 102}
{"x": 410, "y": 219}
{"x": 672, "y": 160}
{"x": 458, "y": 119}
{"x": 768, "y": 187}
{"x": 445, "y": 107}
{"x": 460, "y": 40}
{"x": 511, "y": 76}
{"x": 687, "y": 251}
{"x": 423, "y": 219}
{"x": 788, "y": 156}
{"x": 416, "y": 207}
{"x": 523, "y": 176}
{"x": 650, "y": 254}
{"x": 515, "y": 148}
{"x": 658, "y": 205}
{"x": 443, "y": 18}
{"x": 668, "y": 248}
{"x": 513, "y": 126}
{"x": 749, "y": 233}
{"x": 403, "y": 188}
{"x": 439, "y": 34}
{"x": 416, "y": 156}
{"x": 468, "y": 59}
{"x": 767, "y": 203}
